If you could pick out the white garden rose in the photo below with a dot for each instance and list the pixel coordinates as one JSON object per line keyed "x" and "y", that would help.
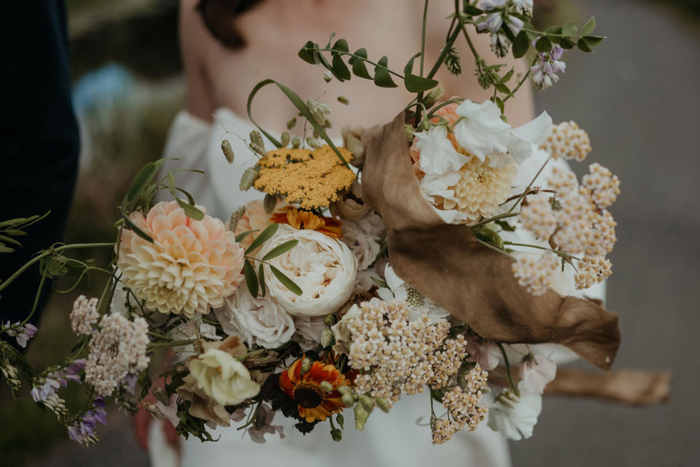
{"x": 323, "y": 267}
{"x": 222, "y": 377}
{"x": 255, "y": 320}
{"x": 363, "y": 237}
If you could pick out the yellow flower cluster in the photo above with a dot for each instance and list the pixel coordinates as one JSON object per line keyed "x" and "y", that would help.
{"x": 310, "y": 178}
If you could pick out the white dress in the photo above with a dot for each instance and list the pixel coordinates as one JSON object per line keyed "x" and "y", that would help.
{"x": 388, "y": 440}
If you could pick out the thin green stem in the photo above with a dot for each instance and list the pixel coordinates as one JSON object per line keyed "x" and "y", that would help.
{"x": 493, "y": 219}
{"x": 36, "y": 300}
{"x": 47, "y": 253}
{"x": 512, "y": 93}
{"x": 526, "y": 245}
{"x": 477, "y": 57}
{"x": 510, "y": 375}
{"x": 422, "y": 44}
{"x": 448, "y": 45}
{"x": 527, "y": 190}
{"x": 495, "y": 249}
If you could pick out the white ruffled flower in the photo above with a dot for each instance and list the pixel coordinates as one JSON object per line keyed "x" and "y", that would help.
{"x": 223, "y": 378}
{"x": 255, "y": 320}
{"x": 437, "y": 154}
{"x": 537, "y": 372}
{"x": 482, "y": 132}
{"x": 323, "y": 267}
{"x": 515, "y": 417}
{"x": 342, "y": 332}
{"x": 363, "y": 237}
{"x": 310, "y": 329}
{"x": 419, "y": 305}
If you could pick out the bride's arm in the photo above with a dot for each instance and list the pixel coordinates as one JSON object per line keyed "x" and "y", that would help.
{"x": 195, "y": 41}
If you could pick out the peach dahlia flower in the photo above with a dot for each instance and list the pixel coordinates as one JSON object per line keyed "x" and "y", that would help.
{"x": 190, "y": 266}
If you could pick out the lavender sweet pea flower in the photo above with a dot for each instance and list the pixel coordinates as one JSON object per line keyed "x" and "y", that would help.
{"x": 492, "y": 23}
{"x": 515, "y": 24}
{"x": 22, "y": 334}
{"x": 490, "y": 5}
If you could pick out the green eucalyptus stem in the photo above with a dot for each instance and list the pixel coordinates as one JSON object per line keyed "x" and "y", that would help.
{"x": 342, "y": 52}
{"x": 527, "y": 245}
{"x": 180, "y": 343}
{"x": 422, "y": 46}
{"x": 503, "y": 252}
{"x": 47, "y": 253}
{"x": 510, "y": 375}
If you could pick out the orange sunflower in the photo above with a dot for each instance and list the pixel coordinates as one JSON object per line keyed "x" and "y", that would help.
{"x": 314, "y": 403}
{"x": 309, "y": 221}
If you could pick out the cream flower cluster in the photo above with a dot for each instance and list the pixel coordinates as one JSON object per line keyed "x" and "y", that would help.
{"x": 117, "y": 349}
{"x": 443, "y": 430}
{"x": 397, "y": 355}
{"x": 536, "y": 273}
{"x": 566, "y": 140}
{"x": 84, "y": 315}
{"x": 190, "y": 266}
{"x": 463, "y": 405}
{"x": 602, "y": 184}
{"x": 538, "y": 217}
{"x": 591, "y": 271}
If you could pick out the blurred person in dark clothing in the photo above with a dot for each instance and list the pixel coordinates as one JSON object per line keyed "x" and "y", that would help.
{"x": 39, "y": 140}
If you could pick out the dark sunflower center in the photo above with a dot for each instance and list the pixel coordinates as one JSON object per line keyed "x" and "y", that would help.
{"x": 308, "y": 395}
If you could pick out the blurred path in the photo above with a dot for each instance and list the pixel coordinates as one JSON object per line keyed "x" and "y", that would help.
{"x": 638, "y": 98}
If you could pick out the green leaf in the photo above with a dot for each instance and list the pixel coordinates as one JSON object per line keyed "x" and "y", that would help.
{"x": 5, "y": 249}
{"x": 567, "y": 44}
{"x": 380, "y": 282}
{"x": 309, "y": 53}
{"x": 286, "y": 281}
{"x": 143, "y": 178}
{"x": 341, "y": 45}
{"x": 340, "y": 69}
{"x": 172, "y": 186}
{"x": 408, "y": 69}
{"x": 553, "y": 30}
{"x": 10, "y": 240}
{"x": 136, "y": 230}
{"x": 328, "y": 66}
{"x": 341, "y": 420}
{"x": 521, "y": 44}
{"x": 264, "y": 236}
{"x": 241, "y": 236}
{"x": 569, "y": 29}
{"x": 583, "y": 46}
{"x": 190, "y": 211}
{"x": 589, "y": 27}
{"x": 543, "y": 45}
{"x": 261, "y": 279}
{"x": 280, "y": 249}
{"x": 358, "y": 64}
{"x": 301, "y": 107}
{"x": 330, "y": 39}
{"x": 415, "y": 83}
{"x": 471, "y": 10}
{"x": 382, "y": 78}
{"x": 190, "y": 199}
{"x": 251, "y": 279}
{"x": 505, "y": 226}
{"x": 507, "y": 76}
{"x": 502, "y": 88}
{"x": 593, "y": 41}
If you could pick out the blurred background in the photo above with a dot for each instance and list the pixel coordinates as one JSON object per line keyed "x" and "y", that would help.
{"x": 637, "y": 98}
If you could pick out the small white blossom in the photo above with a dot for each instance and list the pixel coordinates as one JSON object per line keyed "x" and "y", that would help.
{"x": 84, "y": 315}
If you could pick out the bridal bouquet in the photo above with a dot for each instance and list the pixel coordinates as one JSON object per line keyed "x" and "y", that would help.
{"x": 430, "y": 254}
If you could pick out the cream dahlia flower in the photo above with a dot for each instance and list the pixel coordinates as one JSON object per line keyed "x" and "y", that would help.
{"x": 480, "y": 189}
{"x": 190, "y": 266}
{"x": 323, "y": 267}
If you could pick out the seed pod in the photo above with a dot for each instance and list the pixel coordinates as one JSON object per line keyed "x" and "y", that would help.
{"x": 361, "y": 416}
{"x": 285, "y": 139}
{"x": 343, "y": 100}
{"x": 291, "y": 123}
{"x": 367, "y": 402}
{"x": 259, "y": 149}
{"x": 348, "y": 400}
{"x": 409, "y": 133}
{"x": 159, "y": 393}
{"x": 248, "y": 178}
{"x": 270, "y": 203}
{"x": 326, "y": 386}
{"x": 345, "y": 390}
{"x": 235, "y": 217}
{"x": 228, "y": 151}
{"x": 313, "y": 142}
{"x": 256, "y": 137}
{"x": 153, "y": 410}
{"x": 453, "y": 61}
{"x": 329, "y": 320}
{"x": 296, "y": 142}
{"x": 326, "y": 337}
{"x": 327, "y": 76}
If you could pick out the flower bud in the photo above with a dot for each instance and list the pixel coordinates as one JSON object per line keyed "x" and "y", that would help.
{"x": 329, "y": 320}
{"x": 313, "y": 142}
{"x": 367, "y": 402}
{"x": 296, "y": 142}
{"x": 409, "y": 133}
{"x": 291, "y": 123}
{"x": 361, "y": 416}
{"x": 343, "y": 100}
{"x": 327, "y": 76}
{"x": 258, "y": 149}
{"x": 326, "y": 337}
{"x": 248, "y": 178}
{"x": 453, "y": 61}
{"x": 348, "y": 400}
{"x": 433, "y": 96}
{"x": 269, "y": 203}
{"x": 235, "y": 217}
{"x": 256, "y": 138}
{"x": 228, "y": 151}
{"x": 305, "y": 365}
{"x": 345, "y": 390}
{"x": 383, "y": 404}
{"x": 425, "y": 124}
{"x": 326, "y": 386}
